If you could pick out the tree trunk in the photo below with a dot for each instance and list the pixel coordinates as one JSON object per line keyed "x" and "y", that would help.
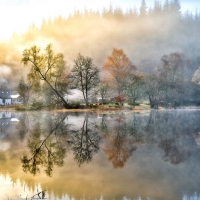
{"x": 151, "y": 102}
{"x": 58, "y": 94}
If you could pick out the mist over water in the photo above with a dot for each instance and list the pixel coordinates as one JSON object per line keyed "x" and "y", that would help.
{"x": 152, "y": 155}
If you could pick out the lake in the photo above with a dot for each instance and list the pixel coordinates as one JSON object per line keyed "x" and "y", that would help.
{"x": 151, "y": 155}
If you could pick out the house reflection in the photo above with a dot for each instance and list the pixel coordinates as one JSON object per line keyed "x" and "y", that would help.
{"x": 6, "y": 119}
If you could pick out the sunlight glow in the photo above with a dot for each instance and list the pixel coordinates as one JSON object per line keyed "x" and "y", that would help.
{"x": 17, "y": 17}
{"x": 4, "y": 145}
{"x": 17, "y": 192}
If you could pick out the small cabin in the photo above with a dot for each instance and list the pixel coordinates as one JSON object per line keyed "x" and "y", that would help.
{"x": 5, "y": 98}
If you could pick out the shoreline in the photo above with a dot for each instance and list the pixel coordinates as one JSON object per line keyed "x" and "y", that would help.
{"x": 99, "y": 109}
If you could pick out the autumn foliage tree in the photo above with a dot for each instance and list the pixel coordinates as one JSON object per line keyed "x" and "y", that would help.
{"x": 47, "y": 70}
{"x": 120, "y": 99}
{"x": 196, "y": 76}
{"x": 120, "y": 68}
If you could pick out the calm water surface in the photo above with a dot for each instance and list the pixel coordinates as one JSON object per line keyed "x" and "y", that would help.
{"x": 152, "y": 155}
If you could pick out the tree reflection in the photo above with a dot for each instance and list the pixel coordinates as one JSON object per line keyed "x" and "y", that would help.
{"x": 46, "y": 145}
{"x": 172, "y": 132}
{"x": 23, "y": 126}
{"x": 119, "y": 147}
{"x": 49, "y": 139}
{"x": 103, "y": 127}
{"x": 172, "y": 153}
{"x": 170, "y": 136}
{"x": 135, "y": 128}
{"x": 84, "y": 142}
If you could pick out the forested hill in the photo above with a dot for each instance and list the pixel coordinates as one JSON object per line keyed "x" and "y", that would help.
{"x": 145, "y": 36}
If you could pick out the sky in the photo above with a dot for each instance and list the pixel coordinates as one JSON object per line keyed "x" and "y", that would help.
{"x": 17, "y": 15}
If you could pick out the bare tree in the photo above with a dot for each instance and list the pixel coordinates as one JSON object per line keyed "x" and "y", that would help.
{"x": 84, "y": 75}
{"x": 103, "y": 89}
{"x": 152, "y": 89}
{"x": 172, "y": 78}
{"x": 134, "y": 88}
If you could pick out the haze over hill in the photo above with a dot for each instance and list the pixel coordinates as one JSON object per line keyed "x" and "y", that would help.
{"x": 144, "y": 36}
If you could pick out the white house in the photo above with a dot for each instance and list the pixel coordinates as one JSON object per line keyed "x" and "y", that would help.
{"x": 8, "y": 97}
{"x": 5, "y": 98}
{"x": 16, "y": 98}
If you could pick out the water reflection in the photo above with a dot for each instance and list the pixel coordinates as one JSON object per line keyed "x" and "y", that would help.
{"x": 6, "y": 119}
{"x": 76, "y": 153}
{"x": 46, "y": 145}
{"x": 23, "y": 126}
{"x": 49, "y": 140}
{"x": 174, "y": 132}
{"x": 84, "y": 142}
{"x": 119, "y": 146}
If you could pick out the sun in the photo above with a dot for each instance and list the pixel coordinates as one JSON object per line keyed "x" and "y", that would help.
{"x": 17, "y": 18}
{"x": 12, "y": 20}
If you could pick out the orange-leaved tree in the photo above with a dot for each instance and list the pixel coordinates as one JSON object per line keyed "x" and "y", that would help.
{"x": 120, "y": 99}
{"x": 120, "y": 68}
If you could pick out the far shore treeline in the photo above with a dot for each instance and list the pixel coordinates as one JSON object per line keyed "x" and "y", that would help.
{"x": 148, "y": 55}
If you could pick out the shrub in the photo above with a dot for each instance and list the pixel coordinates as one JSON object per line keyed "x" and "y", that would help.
{"x": 136, "y": 104}
{"x": 36, "y": 105}
{"x": 20, "y": 108}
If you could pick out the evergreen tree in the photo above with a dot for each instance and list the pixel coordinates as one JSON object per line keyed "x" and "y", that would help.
{"x": 143, "y": 9}
{"x": 197, "y": 17}
{"x": 135, "y": 12}
{"x": 44, "y": 25}
{"x": 166, "y": 6}
{"x": 86, "y": 13}
{"x": 108, "y": 13}
{"x": 175, "y": 7}
{"x": 157, "y": 7}
{"x": 110, "y": 10}
{"x": 78, "y": 14}
{"x": 118, "y": 13}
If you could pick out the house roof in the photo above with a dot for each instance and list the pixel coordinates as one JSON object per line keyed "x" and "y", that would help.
{"x": 5, "y": 94}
